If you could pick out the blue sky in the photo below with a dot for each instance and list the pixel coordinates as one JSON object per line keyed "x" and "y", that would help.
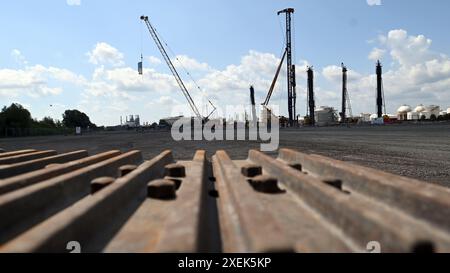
{"x": 84, "y": 56}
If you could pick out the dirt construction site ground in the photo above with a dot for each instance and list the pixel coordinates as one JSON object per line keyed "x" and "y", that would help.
{"x": 417, "y": 151}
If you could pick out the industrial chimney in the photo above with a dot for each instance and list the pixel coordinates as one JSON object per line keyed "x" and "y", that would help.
{"x": 311, "y": 102}
{"x": 379, "y": 90}
{"x": 344, "y": 93}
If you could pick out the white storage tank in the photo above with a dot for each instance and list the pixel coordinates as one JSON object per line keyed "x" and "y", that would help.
{"x": 434, "y": 110}
{"x": 425, "y": 115}
{"x": 448, "y": 111}
{"x": 404, "y": 109}
{"x": 325, "y": 115}
{"x": 265, "y": 115}
{"x": 420, "y": 108}
{"x": 365, "y": 117}
{"x": 413, "y": 116}
{"x": 402, "y": 112}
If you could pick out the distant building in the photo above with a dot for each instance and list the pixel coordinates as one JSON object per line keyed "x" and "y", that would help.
{"x": 325, "y": 116}
{"x": 169, "y": 121}
{"x": 132, "y": 121}
{"x": 373, "y": 117}
{"x": 375, "y": 120}
{"x": 365, "y": 117}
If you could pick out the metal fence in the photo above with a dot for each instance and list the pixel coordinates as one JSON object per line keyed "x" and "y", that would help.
{"x": 25, "y": 132}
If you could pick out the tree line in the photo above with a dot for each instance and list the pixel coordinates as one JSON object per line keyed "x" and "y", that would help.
{"x": 16, "y": 120}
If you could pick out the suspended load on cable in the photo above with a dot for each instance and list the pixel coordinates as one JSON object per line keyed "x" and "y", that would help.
{"x": 140, "y": 65}
{"x": 140, "y": 68}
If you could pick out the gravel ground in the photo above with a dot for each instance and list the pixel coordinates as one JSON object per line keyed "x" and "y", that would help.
{"x": 417, "y": 151}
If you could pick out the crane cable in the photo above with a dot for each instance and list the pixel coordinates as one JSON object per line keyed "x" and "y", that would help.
{"x": 202, "y": 92}
{"x": 294, "y": 56}
{"x": 178, "y": 60}
{"x": 142, "y": 48}
{"x": 384, "y": 99}
{"x": 293, "y": 39}
{"x": 142, "y": 38}
{"x": 283, "y": 32}
{"x": 282, "y": 97}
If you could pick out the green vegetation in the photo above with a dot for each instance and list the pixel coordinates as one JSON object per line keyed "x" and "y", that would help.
{"x": 75, "y": 118}
{"x": 15, "y": 116}
{"x": 16, "y": 121}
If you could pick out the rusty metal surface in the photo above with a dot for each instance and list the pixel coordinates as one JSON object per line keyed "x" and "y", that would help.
{"x": 114, "y": 202}
{"x": 25, "y": 157}
{"x": 32, "y": 165}
{"x": 4, "y": 154}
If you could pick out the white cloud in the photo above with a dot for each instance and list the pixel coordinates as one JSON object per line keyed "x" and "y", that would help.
{"x": 165, "y": 100}
{"x": 104, "y": 53}
{"x": 408, "y": 50}
{"x": 183, "y": 61}
{"x": 334, "y": 73}
{"x": 18, "y": 57}
{"x": 416, "y": 63}
{"x": 35, "y": 81}
{"x": 154, "y": 60}
{"x": 376, "y": 54}
{"x": 73, "y": 2}
{"x": 232, "y": 83}
{"x": 127, "y": 80}
{"x": 374, "y": 2}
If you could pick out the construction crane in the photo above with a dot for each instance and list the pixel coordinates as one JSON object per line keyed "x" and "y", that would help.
{"x": 287, "y": 54}
{"x": 272, "y": 86}
{"x": 266, "y": 102}
{"x": 212, "y": 112}
{"x": 292, "y": 94}
{"x": 180, "y": 82}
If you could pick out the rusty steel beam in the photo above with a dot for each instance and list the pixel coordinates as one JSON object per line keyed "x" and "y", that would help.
{"x": 33, "y": 165}
{"x": 36, "y": 202}
{"x": 246, "y": 226}
{"x": 180, "y": 232}
{"x": 27, "y": 179}
{"x": 15, "y": 153}
{"x": 359, "y": 217}
{"x": 425, "y": 201}
{"x": 307, "y": 231}
{"x": 141, "y": 232}
{"x": 26, "y": 157}
{"x": 174, "y": 224}
{"x": 94, "y": 211}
